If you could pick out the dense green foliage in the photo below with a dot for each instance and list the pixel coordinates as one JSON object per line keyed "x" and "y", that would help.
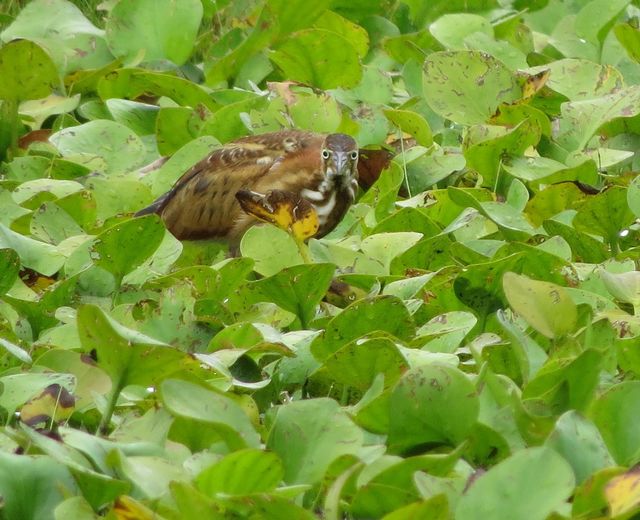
{"x": 480, "y": 358}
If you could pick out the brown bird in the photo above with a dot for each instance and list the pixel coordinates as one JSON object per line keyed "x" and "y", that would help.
{"x": 321, "y": 168}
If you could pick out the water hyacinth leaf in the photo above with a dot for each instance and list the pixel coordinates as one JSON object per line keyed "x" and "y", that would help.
{"x": 547, "y": 307}
{"x": 230, "y": 475}
{"x": 360, "y": 362}
{"x": 615, "y": 413}
{"x": 271, "y": 248}
{"x": 320, "y": 58}
{"x": 623, "y": 286}
{"x": 63, "y": 30}
{"x": 629, "y": 37}
{"x": 132, "y": 83}
{"x": 125, "y": 246}
{"x": 119, "y": 147}
{"x": 578, "y": 440}
{"x": 297, "y": 289}
{"x": 127, "y": 356}
{"x": 420, "y": 403}
{"x": 381, "y": 313}
{"x": 505, "y": 491}
{"x": 477, "y": 78}
{"x": 39, "y": 256}
{"x": 9, "y": 268}
{"x": 581, "y": 119}
{"x": 25, "y": 481}
{"x": 163, "y": 29}
{"x": 309, "y": 435}
{"x": 204, "y": 407}
{"x": 606, "y": 214}
{"x": 27, "y": 71}
{"x": 412, "y": 123}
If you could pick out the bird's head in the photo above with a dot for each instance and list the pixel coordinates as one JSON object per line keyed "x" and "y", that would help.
{"x": 339, "y": 156}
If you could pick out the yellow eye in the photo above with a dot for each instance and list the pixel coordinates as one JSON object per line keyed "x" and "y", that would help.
{"x": 354, "y": 156}
{"x": 326, "y": 154}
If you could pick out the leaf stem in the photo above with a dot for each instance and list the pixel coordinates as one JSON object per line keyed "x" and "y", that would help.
{"x": 103, "y": 427}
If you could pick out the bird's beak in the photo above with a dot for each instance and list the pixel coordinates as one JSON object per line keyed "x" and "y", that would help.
{"x": 341, "y": 164}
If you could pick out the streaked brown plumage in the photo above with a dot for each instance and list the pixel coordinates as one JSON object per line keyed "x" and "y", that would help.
{"x": 321, "y": 168}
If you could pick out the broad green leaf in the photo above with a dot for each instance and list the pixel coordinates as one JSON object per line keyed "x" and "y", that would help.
{"x": 39, "y": 256}
{"x": 420, "y": 405}
{"x": 27, "y": 71}
{"x": 395, "y": 486}
{"x": 9, "y": 269}
{"x": 411, "y": 123}
{"x": 358, "y": 363}
{"x": 297, "y": 289}
{"x": 629, "y": 37}
{"x": 623, "y": 286}
{"x": 244, "y": 472}
{"x": 132, "y": 83}
{"x": 451, "y": 30}
{"x": 203, "y": 407}
{"x": 161, "y": 29}
{"x": 595, "y": 19}
{"x": 615, "y": 413}
{"x": 117, "y": 145}
{"x": 382, "y": 313}
{"x": 545, "y": 306}
{"x": 606, "y": 214}
{"x": 481, "y": 84}
{"x": 578, "y": 440}
{"x": 580, "y": 120}
{"x": 128, "y": 356}
{"x": 320, "y": 58}
{"x": 60, "y": 27}
{"x": 272, "y": 249}
{"x": 25, "y": 482}
{"x": 506, "y": 490}
{"x": 123, "y": 247}
{"x": 309, "y": 435}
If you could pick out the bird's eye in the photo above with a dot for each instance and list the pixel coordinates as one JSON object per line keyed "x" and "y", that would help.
{"x": 354, "y": 156}
{"x": 325, "y": 153}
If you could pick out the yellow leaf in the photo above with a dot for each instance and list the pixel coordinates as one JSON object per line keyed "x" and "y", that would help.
{"x": 623, "y": 493}
{"x": 54, "y": 403}
{"x": 532, "y": 83}
{"x": 284, "y": 209}
{"x": 126, "y": 508}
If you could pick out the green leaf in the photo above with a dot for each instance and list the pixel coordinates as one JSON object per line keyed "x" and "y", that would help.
{"x": 506, "y": 490}
{"x": 115, "y": 144}
{"x": 161, "y": 30}
{"x": 25, "y": 482}
{"x": 60, "y": 27}
{"x": 545, "y": 306}
{"x": 128, "y": 356}
{"x": 297, "y": 289}
{"x": 203, "y": 407}
{"x": 578, "y": 440}
{"x": 382, "y": 313}
{"x": 9, "y": 269}
{"x": 244, "y": 472}
{"x": 480, "y": 81}
{"x": 309, "y": 435}
{"x": 123, "y": 247}
{"x": 27, "y": 71}
{"x": 36, "y": 255}
{"x": 420, "y": 405}
{"x": 411, "y": 123}
{"x": 320, "y": 58}
{"x": 615, "y": 415}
